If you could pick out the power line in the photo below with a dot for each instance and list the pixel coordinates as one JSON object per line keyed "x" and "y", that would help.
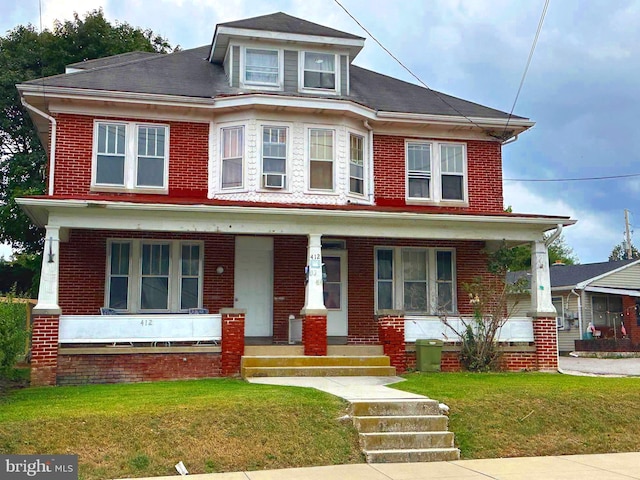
{"x": 526, "y": 68}
{"x": 581, "y": 179}
{"x": 437, "y": 94}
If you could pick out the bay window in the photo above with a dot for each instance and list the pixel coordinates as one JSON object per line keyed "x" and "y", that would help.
{"x": 130, "y": 156}
{"x": 232, "y": 156}
{"x": 153, "y": 275}
{"x": 436, "y": 171}
{"x": 415, "y": 280}
{"x": 321, "y": 159}
{"x": 356, "y": 164}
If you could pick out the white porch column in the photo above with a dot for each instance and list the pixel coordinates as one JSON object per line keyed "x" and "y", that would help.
{"x": 314, "y": 297}
{"x": 541, "y": 304}
{"x": 50, "y": 274}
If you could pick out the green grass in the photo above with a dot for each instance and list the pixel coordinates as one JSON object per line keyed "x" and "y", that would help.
{"x": 528, "y": 414}
{"x": 211, "y": 425}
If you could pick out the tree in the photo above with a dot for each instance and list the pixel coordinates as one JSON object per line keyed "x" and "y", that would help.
{"x": 26, "y": 54}
{"x": 619, "y": 252}
{"x": 520, "y": 259}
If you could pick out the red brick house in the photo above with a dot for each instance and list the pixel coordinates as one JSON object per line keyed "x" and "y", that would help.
{"x": 256, "y": 180}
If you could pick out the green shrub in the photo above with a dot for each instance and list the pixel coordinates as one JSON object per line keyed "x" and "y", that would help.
{"x": 13, "y": 333}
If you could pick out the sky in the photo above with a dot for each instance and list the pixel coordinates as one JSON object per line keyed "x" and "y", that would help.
{"x": 581, "y": 88}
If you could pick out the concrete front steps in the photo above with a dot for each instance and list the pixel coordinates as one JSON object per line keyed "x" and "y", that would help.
{"x": 290, "y": 361}
{"x": 403, "y": 430}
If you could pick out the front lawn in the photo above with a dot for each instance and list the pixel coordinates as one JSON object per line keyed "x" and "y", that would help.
{"x": 138, "y": 430}
{"x": 528, "y": 414}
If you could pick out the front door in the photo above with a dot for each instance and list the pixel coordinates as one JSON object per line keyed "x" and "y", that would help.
{"x": 335, "y": 293}
{"x": 253, "y": 285}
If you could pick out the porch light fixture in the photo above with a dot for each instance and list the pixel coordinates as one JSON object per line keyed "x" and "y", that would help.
{"x": 50, "y": 260}
{"x": 220, "y": 270}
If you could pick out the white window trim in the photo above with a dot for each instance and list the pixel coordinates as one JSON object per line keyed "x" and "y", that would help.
{"x": 365, "y": 164}
{"x": 288, "y": 177}
{"x": 398, "y": 278}
{"x": 130, "y": 159}
{"x": 436, "y": 175}
{"x": 307, "y": 155}
{"x": 260, "y": 85}
{"x": 326, "y": 91}
{"x": 241, "y": 188}
{"x": 560, "y": 315}
{"x": 134, "y": 291}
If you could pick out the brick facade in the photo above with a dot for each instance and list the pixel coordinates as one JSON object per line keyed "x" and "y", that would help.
{"x": 232, "y": 341}
{"x": 510, "y": 362}
{"x": 484, "y": 167}
{"x": 314, "y": 335}
{"x": 44, "y": 349}
{"x": 545, "y": 337}
{"x": 136, "y": 367}
{"x": 391, "y": 333}
{"x": 188, "y": 156}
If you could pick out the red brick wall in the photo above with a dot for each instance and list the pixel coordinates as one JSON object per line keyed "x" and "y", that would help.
{"x": 139, "y": 367}
{"x": 289, "y": 260}
{"x": 232, "y": 342}
{"x": 44, "y": 349}
{"x": 83, "y": 262}
{"x": 545, "y": 337}
{"x": 188, "y": 156}
{"x": 484, "y": 165}
{"x": 314, "y": 335}
{"x": 391, "y": 333}
{"x": 510, "y": 362}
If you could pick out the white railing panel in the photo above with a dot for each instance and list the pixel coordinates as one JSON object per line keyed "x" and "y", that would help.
{"x": 139, "y": 328}
{"x": 423, "y": 327}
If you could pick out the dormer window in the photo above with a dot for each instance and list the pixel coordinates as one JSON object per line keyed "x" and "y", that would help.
{"x": 262, "y": 67}
{"x": 319, "y": 71}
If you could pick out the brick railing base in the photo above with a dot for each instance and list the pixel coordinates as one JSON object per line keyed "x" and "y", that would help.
{"x": 44, "y": 349}
{"x": 232, "y": 341}
{"x": 314, "y": 335}
{"x": 391, "y": 334}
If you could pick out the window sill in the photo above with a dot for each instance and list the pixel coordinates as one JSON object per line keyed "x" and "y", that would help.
{"x": 258, "y": 86}
{"x": 114, "y": 189}
{"x": 325, "y": 91}
{"x": 437, "y": 203}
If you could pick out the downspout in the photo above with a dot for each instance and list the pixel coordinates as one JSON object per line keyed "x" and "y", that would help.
{"x": 579, "y": 310}
{"x": 511, "y": 140}
{"x": 370, "y": 152}
{"x": 52, "y": 155}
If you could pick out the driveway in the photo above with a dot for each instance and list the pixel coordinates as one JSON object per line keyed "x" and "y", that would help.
{"x": 600, "y": 366}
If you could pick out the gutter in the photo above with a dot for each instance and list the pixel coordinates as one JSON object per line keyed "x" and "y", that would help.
{"x": 52, "y": 155}
{"x": 552, "y": 238}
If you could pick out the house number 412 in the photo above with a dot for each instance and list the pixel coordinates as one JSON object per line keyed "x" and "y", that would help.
{"x": 146, "y": 322}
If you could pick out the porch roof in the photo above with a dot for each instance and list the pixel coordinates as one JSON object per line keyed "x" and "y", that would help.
{"x": 215, "y": 216}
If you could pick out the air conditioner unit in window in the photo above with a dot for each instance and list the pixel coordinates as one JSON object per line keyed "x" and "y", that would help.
{"x": 273, "y": 180}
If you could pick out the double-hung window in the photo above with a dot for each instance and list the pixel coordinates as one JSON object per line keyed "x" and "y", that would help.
{"x": 130, "y": 156}
{"x": 356, "y": 164}
{"x": 232, "y": 156}
{"x": 261, "y": 67}
{"x": 436, "y": 171}
{"x": 319, "y": 71}
{"x": 274, "y": 157}
{"x": 416, "y": 280}
{"x": 154, "y": 276}
{"x": 321, "y": 159}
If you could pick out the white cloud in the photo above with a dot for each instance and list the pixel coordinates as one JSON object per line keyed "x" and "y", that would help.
{"x": 5, "y": 251}
{"x": 592, "y": 238}
{"x": 61, "y": 10}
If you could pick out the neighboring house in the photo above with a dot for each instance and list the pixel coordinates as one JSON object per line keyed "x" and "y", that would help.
{"x": 260, "y": 179}
{"x": 606, "y": 294}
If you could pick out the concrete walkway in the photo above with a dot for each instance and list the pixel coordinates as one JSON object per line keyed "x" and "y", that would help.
{"x": 349, "y": 388}
{"x": 612, "y": 466}
{"x": 610, "y": 367}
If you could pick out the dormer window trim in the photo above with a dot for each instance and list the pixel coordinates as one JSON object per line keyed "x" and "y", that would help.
{"x": 302, "y": 70}
{"x": 256, "y": 84}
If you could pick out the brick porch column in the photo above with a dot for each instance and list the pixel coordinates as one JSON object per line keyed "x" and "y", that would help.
{"x": 545, "y": 337}
{"x": 314, "y": 332}
{"x": 391, "y": 334}
{"x": 232, "y": 341}
{"x": 630, "y": 319}
{"x": 44, "y": 349}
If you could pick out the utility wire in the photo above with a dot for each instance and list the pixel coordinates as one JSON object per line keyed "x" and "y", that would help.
{"x": 437, "y": 94}
{"x": 526, "y": 68}
{"x": 581, "y": 179}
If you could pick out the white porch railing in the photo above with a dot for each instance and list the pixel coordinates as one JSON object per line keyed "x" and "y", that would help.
{"x": 140, "y": 328}
{"x": 518, "y": 329}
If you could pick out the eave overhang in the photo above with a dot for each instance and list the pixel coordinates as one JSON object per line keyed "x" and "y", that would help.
{"x": 260, "y": 220}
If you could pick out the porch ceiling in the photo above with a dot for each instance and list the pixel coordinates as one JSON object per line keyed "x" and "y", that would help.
{"x": 249, "y": 220}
